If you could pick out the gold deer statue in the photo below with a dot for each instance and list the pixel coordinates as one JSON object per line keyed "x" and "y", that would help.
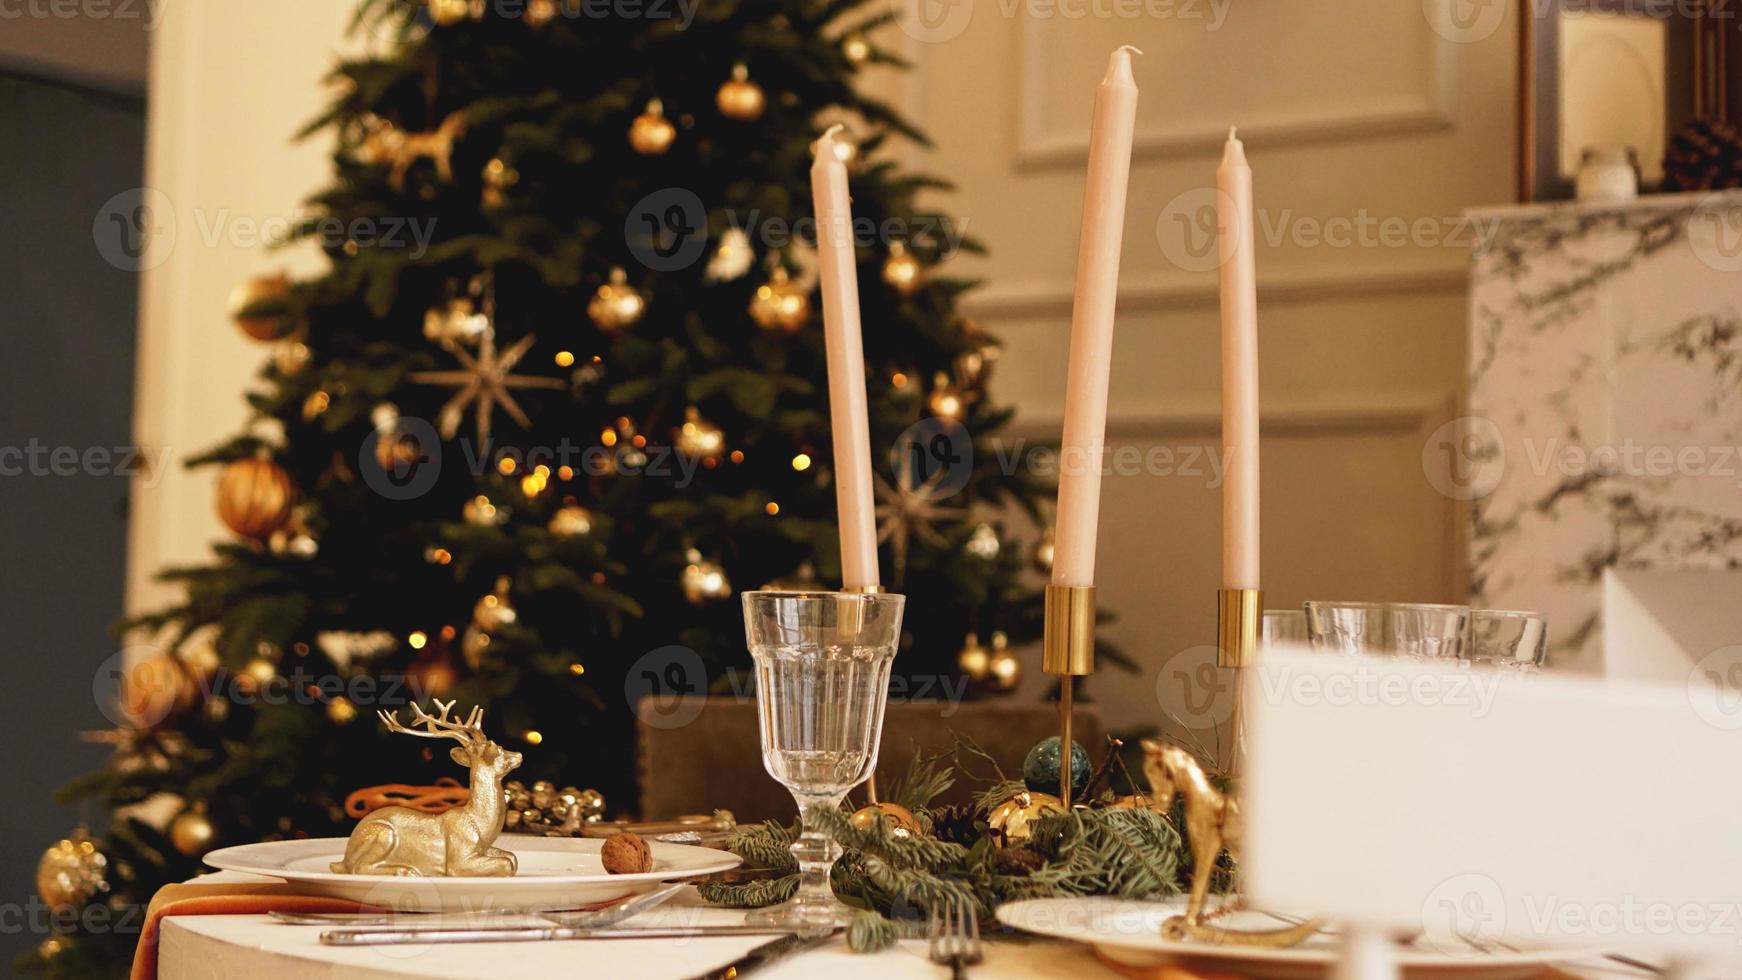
{"x": 1212, "y": 822}
{"x": 401, "y": 841}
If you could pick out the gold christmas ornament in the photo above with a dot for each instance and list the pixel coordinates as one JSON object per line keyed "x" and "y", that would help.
{"x": 290, "y": 357}
{"x": 541, "y": 12}
{"x": 1011, "y": 822}
{"x": 780, "y": 305}
{"x": 455, "y": 321}
{"x": 973, "y": 660}
{"x": 983, "y": 543}
{"x": 571, "y": 520}
{"x": 449, "y": 12}
{"x": 616, "y": 304}
{"x": 946, "y": 401}
{"x": 698, "y": 438}
{"x": 856, "y": 48}
{"x": 255, "y": 497}
{"x": 902, "y": 823}
{"x": 739, "y": 97}
{"x": 72, "y": 871}
{"x": 1041, "y": 556}
{"x": 499, "y": 176}
{"x": 247, "y": 299}
{"x": 437, "y": 146}
{"x": 484, "y": 381}
{"x": 902, "y": 271}
{"x": 703, "y": 580}
{"x": 1004, "y": 670}
{"x": 494, "y": 610}
{"x": 651, "y": 133}
{"x": 192, "y": 832}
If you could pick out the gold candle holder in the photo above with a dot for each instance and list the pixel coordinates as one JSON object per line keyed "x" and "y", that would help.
{"x": 1068, "y": 650}
{"x": 1239, "y": 614}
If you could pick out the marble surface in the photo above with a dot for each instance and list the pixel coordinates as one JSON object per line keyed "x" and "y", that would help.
{"x": 1605, "y": 415}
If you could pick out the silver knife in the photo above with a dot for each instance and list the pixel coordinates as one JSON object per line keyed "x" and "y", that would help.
{"x": 593, "y": 919}
{"x": 767, "y": 953}
{"x": 411, "y": 937}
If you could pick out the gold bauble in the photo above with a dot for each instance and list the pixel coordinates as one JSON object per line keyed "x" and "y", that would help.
{"x": 902, "y": 271}
{"x": 449, "y": 12}
{"x": 1011, "y": 822}
{"x": 494, "y": 610}
{"x": 1041, "y": 556}
{"x": 1003, "y": 670}
{"x": 455, "y": 321}
{"x": 739, "y": 97}
{"x": 290, "y": 357}
{"x": 499, "y": 176}
{"x": 52, "y": 947}
{"x": 72, "y": 871}
{"x": 698, "y": 438}
{"x": 946, "y": 402}
{"x": 780, "y": 305}
{"x": 973, "y": 660}
{"x": 340, "y": 711}
{"x": 571, "y": 520}
{"x": 200, "y": 657}
{"x": 856, "y": 48}
{"x": 651, "y": 133}
{"x": 902, "y": 823}
{"x": 255, "y": 497}
{"x": 541, "y": 12}
{"x": 271, "y": 288}
{"x": 192, "y": 832}
{"x": 156, "y": 691}
{"x": 616, "y": 304}
{"x": 703, "y": 580}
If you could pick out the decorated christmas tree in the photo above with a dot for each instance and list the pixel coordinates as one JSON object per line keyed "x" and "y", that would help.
{"x": 556, "y": 400}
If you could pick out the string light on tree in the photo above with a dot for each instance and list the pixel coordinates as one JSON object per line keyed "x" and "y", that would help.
{"x": 571, "y": 521}
{"x": 1004, "y": 670}
{"x": 732, "y": 257}
{"x": 902, "y": 271}
{"x": 780, "y": 305}
{"x": 651, "y": 134}
{"x": 856, "y": 48}
{"x": 616, "y": 305}
{"x": 739, "y": 97}
{"x": 499, "y": 177}
{"x": 973, "y": 660}
{"x": 983, "y": 543}
{"x": 541, "y": 12}
{"x": 946, "y": 400}
{"x": 449, "y": 12}
{"x": 489, "y": 614}
{"x": 481, "y": 512}
{"x": 290, "y": 357}
{"x": 703, "y": 580}
{"x": 698, "y": 438}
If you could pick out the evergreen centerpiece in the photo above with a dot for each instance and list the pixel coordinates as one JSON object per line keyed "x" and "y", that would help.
{"x": 557, "y": 398}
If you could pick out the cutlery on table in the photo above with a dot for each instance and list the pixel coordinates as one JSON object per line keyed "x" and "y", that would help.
{"x": 955, "y": 937}
{"x": 768, "y": 953}
{"x": 522, "y": 934}
{"x": 590, "y": 919}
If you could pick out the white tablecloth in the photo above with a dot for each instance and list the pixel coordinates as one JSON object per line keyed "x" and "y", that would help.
{"x": 256, "y": 948}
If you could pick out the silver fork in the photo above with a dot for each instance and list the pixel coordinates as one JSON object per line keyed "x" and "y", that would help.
{"x": 955, "y": 937}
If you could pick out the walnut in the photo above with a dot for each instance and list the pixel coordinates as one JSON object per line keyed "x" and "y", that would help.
{"x": 626, "y": 854}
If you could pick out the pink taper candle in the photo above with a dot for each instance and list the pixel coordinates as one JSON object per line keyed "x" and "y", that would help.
{"x": 850, "y": 424}
{"x": 1235, "y": 242}
{"x": 1091, "y": 354}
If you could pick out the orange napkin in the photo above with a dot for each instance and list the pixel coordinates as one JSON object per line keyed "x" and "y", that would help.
{"x": 194, "y": 898}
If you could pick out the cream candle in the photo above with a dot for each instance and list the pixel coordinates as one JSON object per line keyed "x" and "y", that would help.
{"x": 1091, "y": 351}
{"x": 849, "y": 422}
{"x": 1235, "y": 249}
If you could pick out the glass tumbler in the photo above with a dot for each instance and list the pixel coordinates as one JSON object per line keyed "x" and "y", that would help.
{"x": 1510, "y": 639}
{"x": 822, "y": 680}
{"x": 1283, "y": 626}
{"x": 1421, "y": 631}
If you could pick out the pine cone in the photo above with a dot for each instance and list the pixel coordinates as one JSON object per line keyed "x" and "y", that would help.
{"x": 1018, "y": 861}
{"x": 1703, "y": 155}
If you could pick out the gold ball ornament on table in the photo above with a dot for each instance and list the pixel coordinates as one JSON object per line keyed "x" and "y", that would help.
{"x": 902, "y": 823}
{"x": 255, "y": 497}
{"x": 1003, "y": 669}
{"x": 570, "y": 521}
{"x": 739, "y": 97}
{"x": 254, "y": 307}
{"x": 698, "y": 438}
{"x": 780, "y": 305}
{"x": 192, "y": 832}
{"x": 1012, "y": 821}
{"x": 616, "y": 305}
{"x": 902, "y": 271}
{"x": 703, "y": 580}
{"x": 651, "y": 134}
{"x": 72, "y": 871}
{"x": 973, "y": 660}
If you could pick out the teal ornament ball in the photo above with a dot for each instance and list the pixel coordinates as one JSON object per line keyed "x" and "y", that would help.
{"x": 1040, "y": 770}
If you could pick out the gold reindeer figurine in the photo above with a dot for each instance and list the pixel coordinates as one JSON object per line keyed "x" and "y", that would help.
{"x": 398, "y": 840}
{"x": 1212, "y": 822}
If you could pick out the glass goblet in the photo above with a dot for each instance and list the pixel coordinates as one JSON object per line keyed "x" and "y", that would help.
{"x": 822, "y": 680}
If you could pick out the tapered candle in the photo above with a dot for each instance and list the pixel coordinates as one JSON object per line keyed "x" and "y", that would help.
{"x": 1091, "y": 353}
{"x": 839, "y": 273}
{"x": 1235, "y": 247}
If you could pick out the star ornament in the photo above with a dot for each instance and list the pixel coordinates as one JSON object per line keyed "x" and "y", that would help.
{"x": 905, "y": 512}
{"x": 483, "y": 381}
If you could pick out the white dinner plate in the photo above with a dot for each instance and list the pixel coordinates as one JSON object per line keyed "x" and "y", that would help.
{"x": 555, "y": 873}
{"x": 1129, "y": 933}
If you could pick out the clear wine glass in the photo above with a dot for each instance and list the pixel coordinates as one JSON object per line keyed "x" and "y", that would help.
{"x": 822, "y": 680}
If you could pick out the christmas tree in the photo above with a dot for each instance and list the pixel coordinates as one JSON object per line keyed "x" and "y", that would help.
{"x": 557, "y": 399}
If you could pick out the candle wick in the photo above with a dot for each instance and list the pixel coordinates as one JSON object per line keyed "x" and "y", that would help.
{"x": 1231, "y": 131}
{"x": 832, "y": 130}
{"x": 1134, "y": 49}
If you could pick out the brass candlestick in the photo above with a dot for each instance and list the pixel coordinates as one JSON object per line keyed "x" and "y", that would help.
{"x": 1239, "y": 615}
{"x": 1068, "y": 650}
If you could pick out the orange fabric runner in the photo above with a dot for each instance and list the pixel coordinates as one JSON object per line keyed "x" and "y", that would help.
{"x": 194, "y": 898}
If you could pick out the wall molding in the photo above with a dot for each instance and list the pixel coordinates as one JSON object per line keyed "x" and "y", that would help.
{"x": 1041, "y": 147}
{"x": 1017, "y": 298}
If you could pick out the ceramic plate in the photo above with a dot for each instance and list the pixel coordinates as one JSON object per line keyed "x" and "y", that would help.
{"x": 555, "y": 873}
{"x": 1129, "y": 933}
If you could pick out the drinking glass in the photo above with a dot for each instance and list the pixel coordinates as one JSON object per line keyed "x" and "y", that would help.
{"x": 1422, "y": 631}
{"x": 1508, "y": 638}
{"x": 822, "y": 679}
{"x": 1283, "y": 626}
